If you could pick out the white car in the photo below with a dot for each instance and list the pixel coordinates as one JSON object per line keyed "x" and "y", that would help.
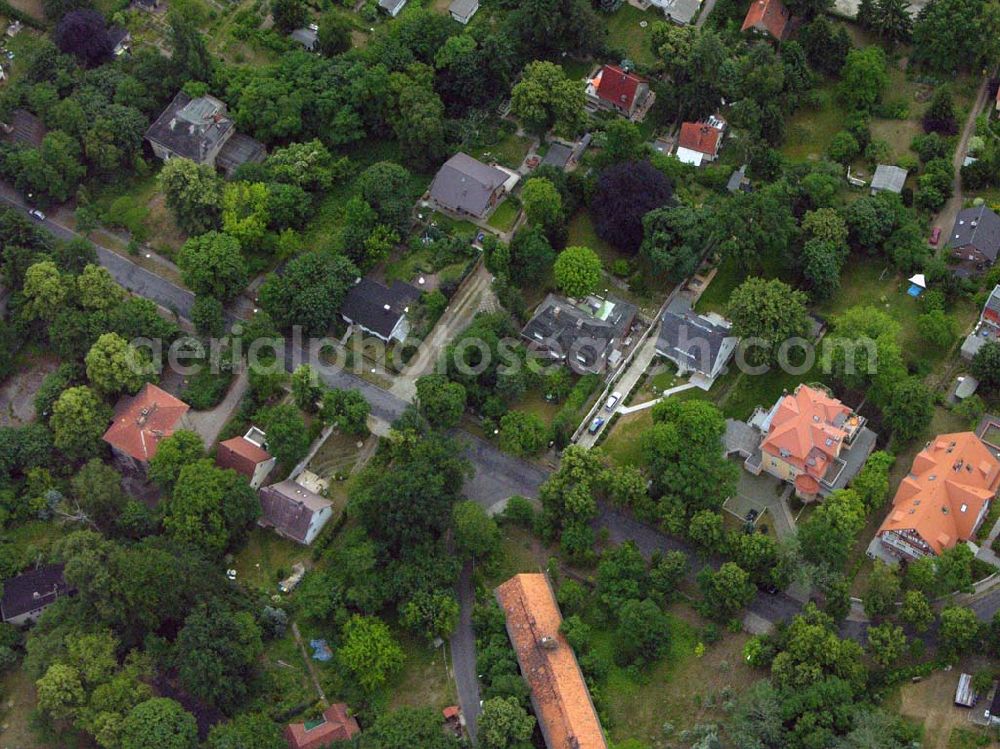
{"x": 612, "y": 401}
{"x": 36, "y": 214}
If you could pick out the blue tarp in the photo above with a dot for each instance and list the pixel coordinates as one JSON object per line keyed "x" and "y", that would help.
{"x": 915, "y": 290}
{"x": 321, "y": 651}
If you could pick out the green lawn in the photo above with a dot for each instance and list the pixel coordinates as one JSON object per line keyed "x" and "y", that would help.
{"x": 505, "y": 215}
{"x": 626, "y": 33}
{"x": 811, "y": 130}
{"x": 581, "y": 233}
{"x": 715, "y": 298}
{"x": 509, "y": 151}
{"x": 425, "y": 680}
{"x": 266, "y": 558}
{"x": 576, "y": 70}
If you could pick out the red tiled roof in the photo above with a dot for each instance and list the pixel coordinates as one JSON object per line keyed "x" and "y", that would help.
{"x": 559, "y": 694}
{"x": 618, "y": 86}
{"x": 942, "y": 496}
{"x": 336, "y": 725}
{"x": 700, "y": 137}
{"x": 242, "y": 455}
{"x": 768, "y": 15}
{"x": 140, "y": 422}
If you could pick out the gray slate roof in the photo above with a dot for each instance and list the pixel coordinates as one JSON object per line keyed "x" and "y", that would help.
{"x": 306, "y": 37}
{"x": 465, "y": 184}
{"x": 191, "y": 128}
{"x": 558, "y": 156}
{"x": 391, "y": 6}
{"x": 889, "y": 178}
{"x": 376, "y": 307}
{"x": 31, "y": 590}
{"x": 977, "y": 227}
{"x": 239, "y": 149}
{"x": 563, "y": 328}
{"x": 681, "y": 11}
{"x": 289, "y": 508}
{"x": 736, "y": 179}
{"x": 463, "y": 7}
{"x": 691, "y": 340}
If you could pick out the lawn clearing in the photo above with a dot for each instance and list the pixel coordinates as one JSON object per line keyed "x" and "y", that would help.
{"x": 681, "y": 688}
{"x": 509, "y": 151}
{"x": 267, "y": 558}
{"x": 581, "y": 233}
{"x": 930, "y": 702}
{"x": 534, "y": 402}
{"x": 626, "y": 33}
{"x": 425, "y": 680}
{"x": 505, "y": 215}
{"x": 810, "y": 130}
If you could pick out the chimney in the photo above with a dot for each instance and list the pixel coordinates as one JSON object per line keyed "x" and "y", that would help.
{"x": 549, "y": 643}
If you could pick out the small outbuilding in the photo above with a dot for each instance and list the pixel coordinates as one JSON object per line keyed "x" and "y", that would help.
{"x": 463, "y": 10}
{"x": 888, "y": 179}
{"x": 392, "y": 7}
{"x": 964, "y": 696}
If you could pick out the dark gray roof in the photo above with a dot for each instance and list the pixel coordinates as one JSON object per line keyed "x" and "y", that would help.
{"x": 690, "y": 340}
{"x": 889, "y": 178}
{"x": 392, "y": 6}
{"x": 306, "y": 37}
{"x": 376, "y": 307}
{"x": 289, "y": 507}
{"x": 558, "y": 156}
{"x": 25, "y": 128}
{"x": 584, "y": 333}
{"x": 31, "y": 590}
{"x": 465, "y": 184}
{"x": 681, "y": 11}
{"x": 977, "y": 227}
{"x": 463, "y": 7}
{"x": 117, "y": 35}
{"x": 736, "y": 179}
{"x": 239, "y": 149}
{"x": 191, "y": 128}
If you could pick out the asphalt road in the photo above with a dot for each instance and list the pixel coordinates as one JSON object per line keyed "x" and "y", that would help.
{"x": 463, "y": 654}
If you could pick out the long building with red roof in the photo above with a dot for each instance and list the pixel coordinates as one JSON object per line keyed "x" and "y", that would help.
{"x": 559, "y": 695}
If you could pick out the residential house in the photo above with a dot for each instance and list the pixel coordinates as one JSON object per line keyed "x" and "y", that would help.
{"x": 463, "y": 10}
{"x": 681, "y": 12}
{"x": 27, "y": 595}
{"x": 769, "y": 17}
{"x": 307, "y": 37}
{"x": 248, "y": 456}
{"x": 294, "y": 511}
{"x": 469, "y": 187}
{"x": 24, "y": 129}
{"x": 975, "y": 240}
{"x": 700, "y": 345}
{"x": 619, "y": 90}
{"x": 810, "y": 440}
{"x": 589, "y": 336}
{"x": 380, "y": 310}
{"x": 888, "y": 178}
{"x": 121, "y": 41}
{"x": 140, "y": 423}
{"x": 559, "y": 695}
{"x": 392, "y": 7}
{"x": 699, "y": 142}
{"x": 942, "y": 500}
{"x": 335, "y": 725}
{"x": 987, "y": 328}
{"x": 201, "y": 130}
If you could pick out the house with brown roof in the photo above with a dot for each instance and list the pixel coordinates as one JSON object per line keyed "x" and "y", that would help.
{"x": 294, "y": 511}
{"x": 769, "y": 17}
{"x": 248, "y": 456}
{"x": 812, "y": 441}
{"x": 699, "y": 142}
{"x": 559, "y": 695}
{"x": 140, "y": 423}
{"x": 619, "y": 90}
{"x": 941, "y": 501}
{"x": 333, "y": 726}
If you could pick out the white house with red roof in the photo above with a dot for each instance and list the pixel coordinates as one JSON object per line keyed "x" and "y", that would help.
{"x": 617, "y": 89}
{"x": 769, "y": 17}
{"x": 699, "y": 142}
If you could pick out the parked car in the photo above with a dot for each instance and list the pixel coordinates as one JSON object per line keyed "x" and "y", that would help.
{"x": 36, "y": 214}
{"x": 613, "y": 400}
{"x": 935, "y": 235}
{"x": 596, "y": 424}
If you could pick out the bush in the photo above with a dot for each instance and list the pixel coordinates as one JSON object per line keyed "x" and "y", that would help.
{"x": 205, "y": 390}
{"x": 519, "y": 511}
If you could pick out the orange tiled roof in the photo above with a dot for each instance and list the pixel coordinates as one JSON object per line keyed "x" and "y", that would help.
{"x": 767, "y": 15}
{"x": 140, "y": 422}
{"x": 953, "y": 472}
{"x": 336, "y": 725}
{"x": 558, "y": 692}
{"x": 807, "y": 430}
{"x": 700, "y": 137}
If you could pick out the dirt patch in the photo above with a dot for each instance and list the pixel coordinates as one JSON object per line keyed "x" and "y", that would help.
{"x": 167, "y": 238}
{"x": 932, "y": 702}
{"x": 17, "y": 394}
{"x": 32, "y": 7}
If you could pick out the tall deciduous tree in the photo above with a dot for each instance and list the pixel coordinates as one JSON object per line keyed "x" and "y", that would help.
{"x": 159, "y": 722}
{"x": 78, "y": 421}
{"x": 193, "y": 193}
{"x": 769, "y": 311}
{"x": 625, "y": 193}
{"x": 546, "y": 99}
{"x": 115, "y": 366}
{"x": 441, "y": 401}
{"x": 180, "y": 449}
{"x": 310, "y": 291}
{"x": 84, "y": 34}
{"x": 369, "y": 651}
{"x": 577, "y": 271}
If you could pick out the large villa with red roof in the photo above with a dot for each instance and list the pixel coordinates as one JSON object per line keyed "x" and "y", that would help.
{"x": 942, "y": 500}
{"x": 140, "y": 423}
{"x": 618, "y": 90}
{"x": 808, "y": 439}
